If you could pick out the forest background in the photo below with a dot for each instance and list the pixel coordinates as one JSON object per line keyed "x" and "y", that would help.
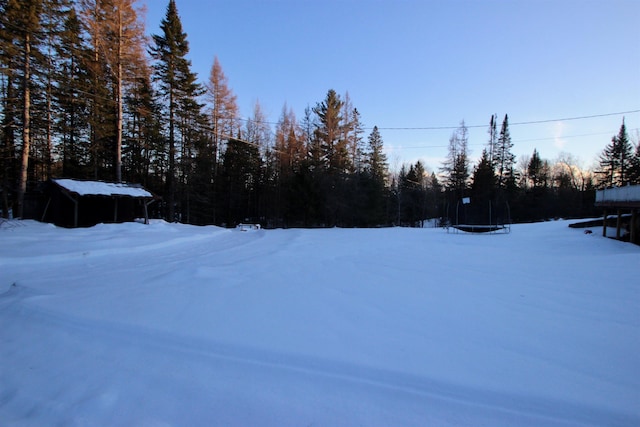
{"x": 86, "y": 94}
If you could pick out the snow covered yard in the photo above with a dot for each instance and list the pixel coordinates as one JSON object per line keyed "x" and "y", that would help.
{"x": 175, "y": 325}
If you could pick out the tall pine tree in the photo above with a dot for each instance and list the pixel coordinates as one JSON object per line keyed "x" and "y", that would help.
{"x": 456, "y": 165}
{"x": 22, "y": 22}
{"x": 493, "y": 137}
{"x": 537, "y": 172}
{"x": 484, "y": 180}
{"x": 616, "y": 160}
{"x": 72, "y": 121}
{"x": 177, "y": 85}
{"x": 143, "y": 147}
{"x": 377, "y": 164}
{"x": 122, "y": 47}
{"x": 503, "y": 159}
{"x": 634, "y": 172}
{"x": 330, "y": 133}
{"x": 377, "y": 171}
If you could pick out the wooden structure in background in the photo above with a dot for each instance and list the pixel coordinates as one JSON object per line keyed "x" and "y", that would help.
{"x": 621, "y": 199}
{"x": 74, "y": 203}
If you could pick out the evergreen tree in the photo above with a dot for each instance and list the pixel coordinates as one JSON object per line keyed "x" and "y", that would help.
{"x": 52, "y": 21}
{"x": 377, "y": 171}
{"x": 355, "y": 142}
{"x": 9, "y": 54}
{"x": 616, "y": 160}
{"x": 22, "y": 29}
{"x": 412, "y": 195}
{"x": 241, "y": 174}
{"x": 197, "y": 187}
{"x": 398, "y": 185}
{"x": 315, "y": 156}
{"x": 537, "y": 171}
{"x": 102, "y": 117}
{"x": 352, "y": 135}
{"x": 503, "y": 158}
{"x": 609, "y": 164}
{"x": 634, "y": 172}
{"x": 72, "y": 120}
{"x": 493, "y": 137}
{"x": 177, "y": 85}
{"x": 434, "y": 196}
{"x": 417, "y": 193}
{"x": 144, "y": 157}
{"x": 330, "y": 163}
{"x": 482, "y": 209}
{"x": 377, "y": 164}
{"x": 120, "y": 43}
{"x": 484, "y": 179}
{"x": 330, "y": 132}
{"x": 456, "y": 165}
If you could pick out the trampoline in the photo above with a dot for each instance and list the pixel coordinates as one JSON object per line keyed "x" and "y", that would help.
{"x": 486, "y": 216}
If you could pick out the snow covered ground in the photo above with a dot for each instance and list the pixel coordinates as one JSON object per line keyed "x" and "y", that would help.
{"x": 176, "y": 325}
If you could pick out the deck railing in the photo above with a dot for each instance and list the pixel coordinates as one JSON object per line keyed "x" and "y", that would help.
{"x": 629, "y": 193}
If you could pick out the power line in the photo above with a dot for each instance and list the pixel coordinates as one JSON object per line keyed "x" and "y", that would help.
{"x": 531, "y": 122}
{"x": 514, "y": 141}
{"x": 566, "y": 119}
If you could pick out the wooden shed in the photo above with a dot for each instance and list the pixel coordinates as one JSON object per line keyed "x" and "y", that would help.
{"x": 77, "y": 203}
{"x": 621, "y": 200}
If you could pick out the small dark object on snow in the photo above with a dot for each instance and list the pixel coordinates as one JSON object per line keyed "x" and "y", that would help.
{"x": 588, "y": 231}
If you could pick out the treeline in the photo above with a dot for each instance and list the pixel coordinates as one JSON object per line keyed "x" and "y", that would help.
{"x": 85, "y": 94}
{"x": 533, "y": 188}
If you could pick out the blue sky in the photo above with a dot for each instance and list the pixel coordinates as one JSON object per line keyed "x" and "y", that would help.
{"x": 425, "y": 64}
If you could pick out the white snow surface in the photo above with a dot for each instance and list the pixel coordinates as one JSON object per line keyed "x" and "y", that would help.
{"x": 176, "y": 325}
{"x": 99, "y": 188}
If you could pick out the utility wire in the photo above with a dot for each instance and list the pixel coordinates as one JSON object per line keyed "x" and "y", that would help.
{"x": 514, "y": 141}
{"x": 566, "y": 119}
{"x": 531, "y": 122}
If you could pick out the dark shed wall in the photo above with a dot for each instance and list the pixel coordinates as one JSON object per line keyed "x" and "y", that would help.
{"x": 97, "y": 209}
{"x": 60, "y": 209}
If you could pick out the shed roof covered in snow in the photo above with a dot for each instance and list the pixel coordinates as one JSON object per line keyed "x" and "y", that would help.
{"x": 100, "y": 188}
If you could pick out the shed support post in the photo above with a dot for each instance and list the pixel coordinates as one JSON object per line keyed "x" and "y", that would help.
{"x": 634, "y": 226}
{"x": 46, "y": 208}
{"x": 115, "y": 209}
{"x": 618, "y": 224}
{"x": 490, "y": 223}
{"x": 604, "y": 223}
{"x": 146, "y": 210}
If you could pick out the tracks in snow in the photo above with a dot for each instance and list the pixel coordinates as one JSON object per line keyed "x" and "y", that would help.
{"x": 170, "y": 360}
